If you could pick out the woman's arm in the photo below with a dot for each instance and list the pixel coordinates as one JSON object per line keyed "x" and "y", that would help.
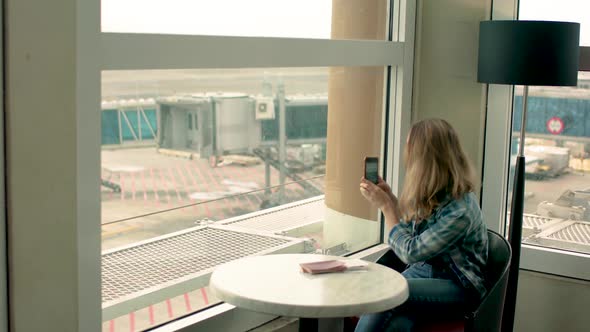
{"x": 392, "y": 215}
{"x": 451, "y": 224}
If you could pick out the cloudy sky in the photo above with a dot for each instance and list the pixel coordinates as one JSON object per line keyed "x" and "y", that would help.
{"x": 277, "y": 18}
{"x": 261, "y": 18}
{"x": 559, "y": 10}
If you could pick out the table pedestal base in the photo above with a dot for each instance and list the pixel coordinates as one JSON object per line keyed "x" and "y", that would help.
{"x": 321, "y": 324}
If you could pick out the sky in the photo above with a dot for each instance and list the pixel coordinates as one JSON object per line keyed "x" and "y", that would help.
{"x": 278, "y": 18}
{"x": 559, "y": 10}
{"x": 259, "y": 18}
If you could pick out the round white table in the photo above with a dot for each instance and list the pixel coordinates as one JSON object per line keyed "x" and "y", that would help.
{"x": 275, "y": 284}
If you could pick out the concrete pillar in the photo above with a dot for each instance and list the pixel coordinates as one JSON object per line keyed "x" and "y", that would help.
{"x": 355, "y": 110}
{"x": 52, "y": 109}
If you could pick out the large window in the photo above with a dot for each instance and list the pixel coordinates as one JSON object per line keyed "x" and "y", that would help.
{"x": 557, "y": 187}
{"x": 248, "y": 150}
{"x": 194, "y": 156}
{"x": 203, "y": 145}
{"x": 556, "y": 226}
{"x": 557, "y": 190}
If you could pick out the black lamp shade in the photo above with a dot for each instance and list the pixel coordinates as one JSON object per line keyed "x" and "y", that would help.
{"x": 528, "y": 53}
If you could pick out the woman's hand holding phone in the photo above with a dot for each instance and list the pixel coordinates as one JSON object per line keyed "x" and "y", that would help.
{"x": 381, "y": 196}
{"x": 385, "y": 187}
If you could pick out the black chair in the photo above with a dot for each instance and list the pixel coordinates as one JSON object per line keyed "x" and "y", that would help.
{"x": 487, "y": 317}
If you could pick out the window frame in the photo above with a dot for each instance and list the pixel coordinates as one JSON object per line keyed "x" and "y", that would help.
{"x": 3, "y": 237}
{"x": 496, "y": 176}
{"x": 395, "y": 54}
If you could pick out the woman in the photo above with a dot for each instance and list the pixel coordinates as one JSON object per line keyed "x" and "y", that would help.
{"x": 436, "y": 227}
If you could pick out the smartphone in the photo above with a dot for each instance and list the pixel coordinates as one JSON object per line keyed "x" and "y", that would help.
{"x": 372, "y": 169}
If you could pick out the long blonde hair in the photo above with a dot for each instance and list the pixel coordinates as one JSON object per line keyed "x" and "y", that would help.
{"x": 436, "y": 166}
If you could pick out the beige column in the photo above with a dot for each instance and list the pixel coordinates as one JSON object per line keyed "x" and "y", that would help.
{"x": 52, "y": 107}
{"x": 355, "y": 110}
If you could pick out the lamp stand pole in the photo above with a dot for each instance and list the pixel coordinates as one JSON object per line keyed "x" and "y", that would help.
{"x": 515, "y": 228}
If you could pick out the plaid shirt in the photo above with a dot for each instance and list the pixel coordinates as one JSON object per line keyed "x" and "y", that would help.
{"x": 454, "y": 235}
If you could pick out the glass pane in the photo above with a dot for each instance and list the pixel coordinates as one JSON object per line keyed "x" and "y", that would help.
{"x": 557, "y": 152}
{"x": 198, "y": 193}
{"x": 563, "y": 10}
{"x": 343, "y": 19}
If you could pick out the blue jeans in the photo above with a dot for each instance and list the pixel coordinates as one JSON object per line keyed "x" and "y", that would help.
{"x": 434, "y": 295}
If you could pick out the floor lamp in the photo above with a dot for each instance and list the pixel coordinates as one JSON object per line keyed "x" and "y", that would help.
{"x": 525, "y": 53}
